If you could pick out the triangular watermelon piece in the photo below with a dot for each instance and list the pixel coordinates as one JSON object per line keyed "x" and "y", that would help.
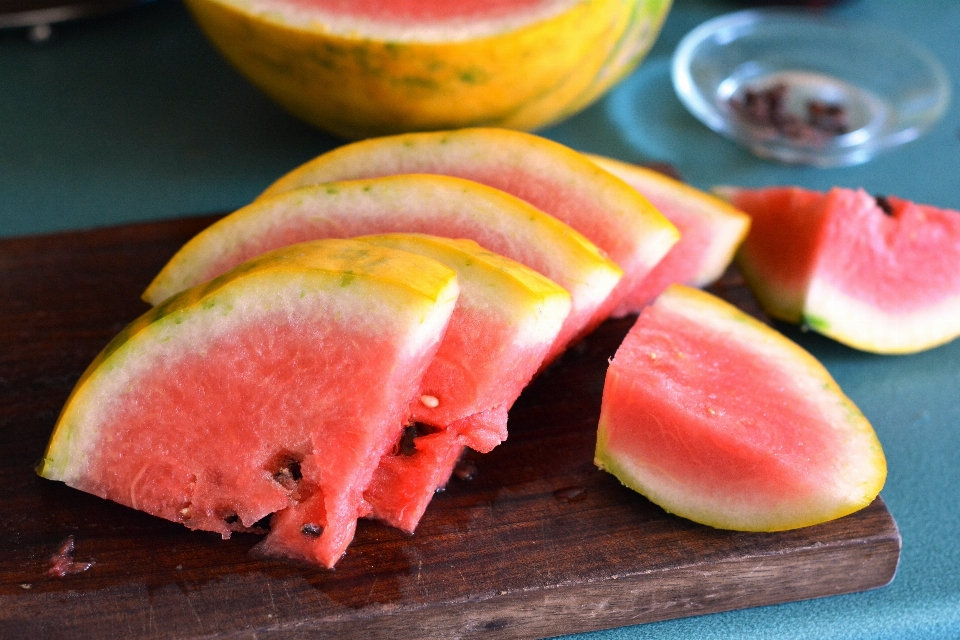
{"x": 877, "y": 274}
{"x": 276, "y": 388}
{"x": 548, "y": 175}
{"x": 710, "y": 228}
{"x": 505, "y": 321}
{"x": 718, "y": 418}
{"x": 435, "y": 205}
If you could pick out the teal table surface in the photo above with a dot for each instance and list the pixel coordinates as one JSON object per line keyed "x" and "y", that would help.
{"x": 133, "y": 117}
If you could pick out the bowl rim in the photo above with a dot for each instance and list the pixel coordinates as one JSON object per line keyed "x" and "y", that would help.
{"x": 705, "y": 109}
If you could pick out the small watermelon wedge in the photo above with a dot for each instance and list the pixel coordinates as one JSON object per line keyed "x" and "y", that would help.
{"x": 506, "y": 319}
{"x": 548, "y": 175}
{"x": 435, "y": 205}
{"x": 720, "y": 419}
{"x": 710, "y": 228}
{"x": 877, "y": 274}
{"x": 276, "y": 388}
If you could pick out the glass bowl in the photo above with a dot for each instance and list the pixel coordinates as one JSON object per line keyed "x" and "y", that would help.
{"x": 802, "y": 88}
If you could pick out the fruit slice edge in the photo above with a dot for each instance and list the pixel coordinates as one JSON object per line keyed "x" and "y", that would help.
{"x": 710, "y": 228}
{"x": 720, "y": 419}
{"x": 548, "y": 175}
{"x": 436, "y": 205}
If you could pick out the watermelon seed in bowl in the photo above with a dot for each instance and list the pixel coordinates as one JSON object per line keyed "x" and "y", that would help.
{"x": 804, "y": 89}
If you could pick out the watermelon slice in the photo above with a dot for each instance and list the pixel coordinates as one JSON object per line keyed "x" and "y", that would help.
{"x": 546, "y": 174}
{"x": 718, "y": 418}
{"x": 434, "y": 205}
{"x": 276, "y": 388}
{"x": 506, "y": 319}
{"x": 880, "y": 275}
{"x": 710, "y": 229}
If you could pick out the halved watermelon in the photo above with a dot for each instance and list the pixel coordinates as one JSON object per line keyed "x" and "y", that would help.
{"x": 550, "y": 176}
{"x": 711, "y": 229}
{"x": 369, "y": 67}
{"x": 435, "y": 205}
{"x": 881, "y": 275}
{"x": 276, "y": 388}
{"x": 718, "y": 418}
{"x": 506, "y": 319}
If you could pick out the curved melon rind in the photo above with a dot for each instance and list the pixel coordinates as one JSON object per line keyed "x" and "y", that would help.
{"x": 835, "y": 314}
{"x": 670, "y": 428}
{"x": 711, "y": 230}
{"x": 550, "y": 176}
{"x": 437, "y": 205}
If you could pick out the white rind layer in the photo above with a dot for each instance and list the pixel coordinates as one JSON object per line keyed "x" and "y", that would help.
{"x": 862, "y": 326}
{"x": 455, "y": 29}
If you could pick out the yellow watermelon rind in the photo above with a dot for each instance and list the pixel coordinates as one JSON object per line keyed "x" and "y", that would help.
{"x": 561, "y": 254}
{"x": 610, "y": 213}
{"x": 360, "y": 86}
{"x": 534, "y": 304}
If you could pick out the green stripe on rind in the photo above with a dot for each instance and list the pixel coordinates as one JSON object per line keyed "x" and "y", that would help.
{"x": 817, "y": 323}
{"x": 775, "y": 299}
{"x": 645, "y": 16}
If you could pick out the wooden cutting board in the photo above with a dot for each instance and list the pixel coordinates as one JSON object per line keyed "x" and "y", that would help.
{"x": 532, "y": 540}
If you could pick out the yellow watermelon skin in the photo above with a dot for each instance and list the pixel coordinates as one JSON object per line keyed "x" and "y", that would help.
{"x": 363, "y": 85}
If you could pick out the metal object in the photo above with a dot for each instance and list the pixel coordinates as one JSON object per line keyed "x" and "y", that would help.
{"x": 37, "y": 16}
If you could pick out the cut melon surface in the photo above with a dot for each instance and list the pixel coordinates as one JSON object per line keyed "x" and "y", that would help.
{"x": 710, "y": 228}
{"x": 548, "y": 175}
{"x": 274, "y": 389}
{"x": 883, "y": 279}
{"x": 718, "y": 418}
{"x": 506, "y": 320}
{"x": 435, "y": 205}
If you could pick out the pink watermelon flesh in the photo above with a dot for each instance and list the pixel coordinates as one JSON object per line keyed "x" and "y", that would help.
{"x": 884, "y": 281}
{"x": 288, "y": 412}
{"x": 718, "y": 419}
{"x": 477, "y": 367}
{"x": 410, "y": 475}
{"x": 686, "y": 392}
{"x": 271, "y": 434}
{"x": 418, "y": 11}
{"x": 503, "y": 325}
{"x": 710, "y": 231}
{"x": 778, "y": 254}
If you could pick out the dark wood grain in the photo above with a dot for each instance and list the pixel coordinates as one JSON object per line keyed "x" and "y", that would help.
{"x": 537, "y": 543}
